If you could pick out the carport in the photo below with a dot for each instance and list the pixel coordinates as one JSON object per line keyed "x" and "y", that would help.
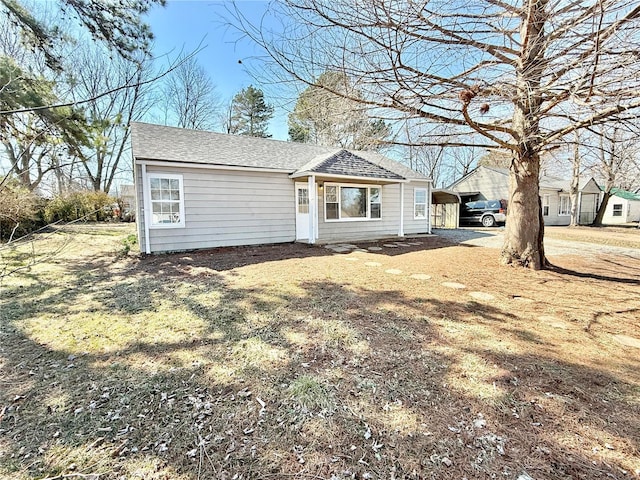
{"x": 444, "y": 208}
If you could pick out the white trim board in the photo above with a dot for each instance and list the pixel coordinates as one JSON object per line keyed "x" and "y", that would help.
{"x": 161, "y": 163}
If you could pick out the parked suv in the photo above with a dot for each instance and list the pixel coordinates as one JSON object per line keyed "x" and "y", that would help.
{"x": 486, "y": 212}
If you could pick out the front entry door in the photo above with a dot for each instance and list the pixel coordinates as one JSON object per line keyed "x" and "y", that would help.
{"x": 302, "y": 211}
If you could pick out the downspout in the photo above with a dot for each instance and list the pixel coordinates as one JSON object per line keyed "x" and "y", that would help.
{"x": 429, "y": 203}
{"x": 320, "y": 198}
{"x": 401, "y": 227}
{"x": 145, "y": 209}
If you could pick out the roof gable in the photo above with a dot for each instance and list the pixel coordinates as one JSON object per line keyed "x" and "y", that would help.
{"x": 350, "y": 164}
{"x": 498, "y": 173}
{"x": 546, "y": 182}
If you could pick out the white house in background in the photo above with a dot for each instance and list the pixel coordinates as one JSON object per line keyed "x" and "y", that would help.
{"x": 198, "y": 189}
{"x": 623, "y": 207}
{"x": 492, "y": 183}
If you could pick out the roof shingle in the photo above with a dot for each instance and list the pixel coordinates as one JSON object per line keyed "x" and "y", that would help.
{"x": 347, "y": 163}
{"x": 158, "y": 142}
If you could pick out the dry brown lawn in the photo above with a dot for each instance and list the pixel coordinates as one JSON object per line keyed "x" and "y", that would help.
{"x": 627, "y": 237}
{"x": 290, "y": 362}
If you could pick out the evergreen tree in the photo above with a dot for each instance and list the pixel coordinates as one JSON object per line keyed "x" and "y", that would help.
{"x": 330, "y": 112}
{"x": 29, "y": 137}
{"x": 250, "y": 114}
{"x": 117, "y": 24}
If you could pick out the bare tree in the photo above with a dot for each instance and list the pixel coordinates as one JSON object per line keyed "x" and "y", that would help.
{"x": 575, "y": 182}
{"x": 190, "y": 99}
{"x": 616, "y": 155}
{"x": 30, "y": 147}
{"x": 226, "y": 117}
{"x": 518, "y": 76}
{"x": 109, "y": 116}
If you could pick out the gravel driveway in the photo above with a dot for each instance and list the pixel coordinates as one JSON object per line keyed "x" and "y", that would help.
{"x": 494, "y": 238}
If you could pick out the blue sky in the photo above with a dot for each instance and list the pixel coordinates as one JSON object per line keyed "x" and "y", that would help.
{"x": 183, "y": 25}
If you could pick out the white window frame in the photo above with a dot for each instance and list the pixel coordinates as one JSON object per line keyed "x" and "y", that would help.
{"x": 415, "y": 203}
{"x": 615, "y": 211}
{"x": 546, "y": 203}
{"x": 169, "y": 176}
{"x": 339, "y": 198}
{"x": 567, "y": 212}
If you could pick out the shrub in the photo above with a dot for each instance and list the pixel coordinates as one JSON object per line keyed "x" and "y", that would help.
{"x": 76, "y": 205}
{"x": 21, "y": 211}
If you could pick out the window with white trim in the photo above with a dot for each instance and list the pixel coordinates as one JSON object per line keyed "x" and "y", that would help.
{"x": 166, "y": 195}
{"x": 348, "y": 202}
{"x": 419, "y": 203}
{"x": 617, "y": 209}
{"x": 545, "y": 205}
{"x": 564, "y": 207}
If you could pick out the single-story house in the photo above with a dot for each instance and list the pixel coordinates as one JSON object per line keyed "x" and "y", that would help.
{"x": 492, "y": 183}
{"x": 197, "y": 189}
{"x": 623, "y": 207}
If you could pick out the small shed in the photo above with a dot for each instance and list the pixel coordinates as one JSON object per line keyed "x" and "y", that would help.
{"x": 445, "y": 209}
{"x": 623, "y": 207}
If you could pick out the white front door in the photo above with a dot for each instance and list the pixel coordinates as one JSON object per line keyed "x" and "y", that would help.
{"x": 302, "y": 211}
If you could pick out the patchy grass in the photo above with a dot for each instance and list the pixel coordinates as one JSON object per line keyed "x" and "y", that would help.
{"x": 289, "y": 362}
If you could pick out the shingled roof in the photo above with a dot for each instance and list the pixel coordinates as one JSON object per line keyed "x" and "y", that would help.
{"x": 546, "y": 182}
{"x": 171, "y": 144}
{"x": 350, "y": 164}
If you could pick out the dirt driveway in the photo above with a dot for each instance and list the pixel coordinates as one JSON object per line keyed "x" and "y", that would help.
{"x": 581, "y": 241}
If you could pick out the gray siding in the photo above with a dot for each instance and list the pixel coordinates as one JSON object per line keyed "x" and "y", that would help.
{"x": 413, "y": 226}
{"x": 226, "y": 208}
{"x": 491, "y": 185}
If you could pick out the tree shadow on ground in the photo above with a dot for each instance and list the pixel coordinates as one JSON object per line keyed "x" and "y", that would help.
{"x": 615, "y": 277}
{"x": 325, "y": 379}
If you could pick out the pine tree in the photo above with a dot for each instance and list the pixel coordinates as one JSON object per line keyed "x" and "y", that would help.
{"x": 329, "y": 113}
{"x": 117, "y": 24}
{"x": 250, "y": 114}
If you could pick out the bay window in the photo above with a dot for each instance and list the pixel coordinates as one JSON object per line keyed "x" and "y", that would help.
{"x": 348, "y": 202}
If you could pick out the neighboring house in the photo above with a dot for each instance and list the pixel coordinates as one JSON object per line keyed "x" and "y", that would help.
{"x": 199, "y": 189}
{"x": 492, "y": 183}
{"x": 623, "y": 207}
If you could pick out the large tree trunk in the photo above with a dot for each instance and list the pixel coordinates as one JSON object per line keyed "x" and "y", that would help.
{"x": 524, "y": 232}
{"x": 523, "y": 242}
{"x": 597, "y": 222}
